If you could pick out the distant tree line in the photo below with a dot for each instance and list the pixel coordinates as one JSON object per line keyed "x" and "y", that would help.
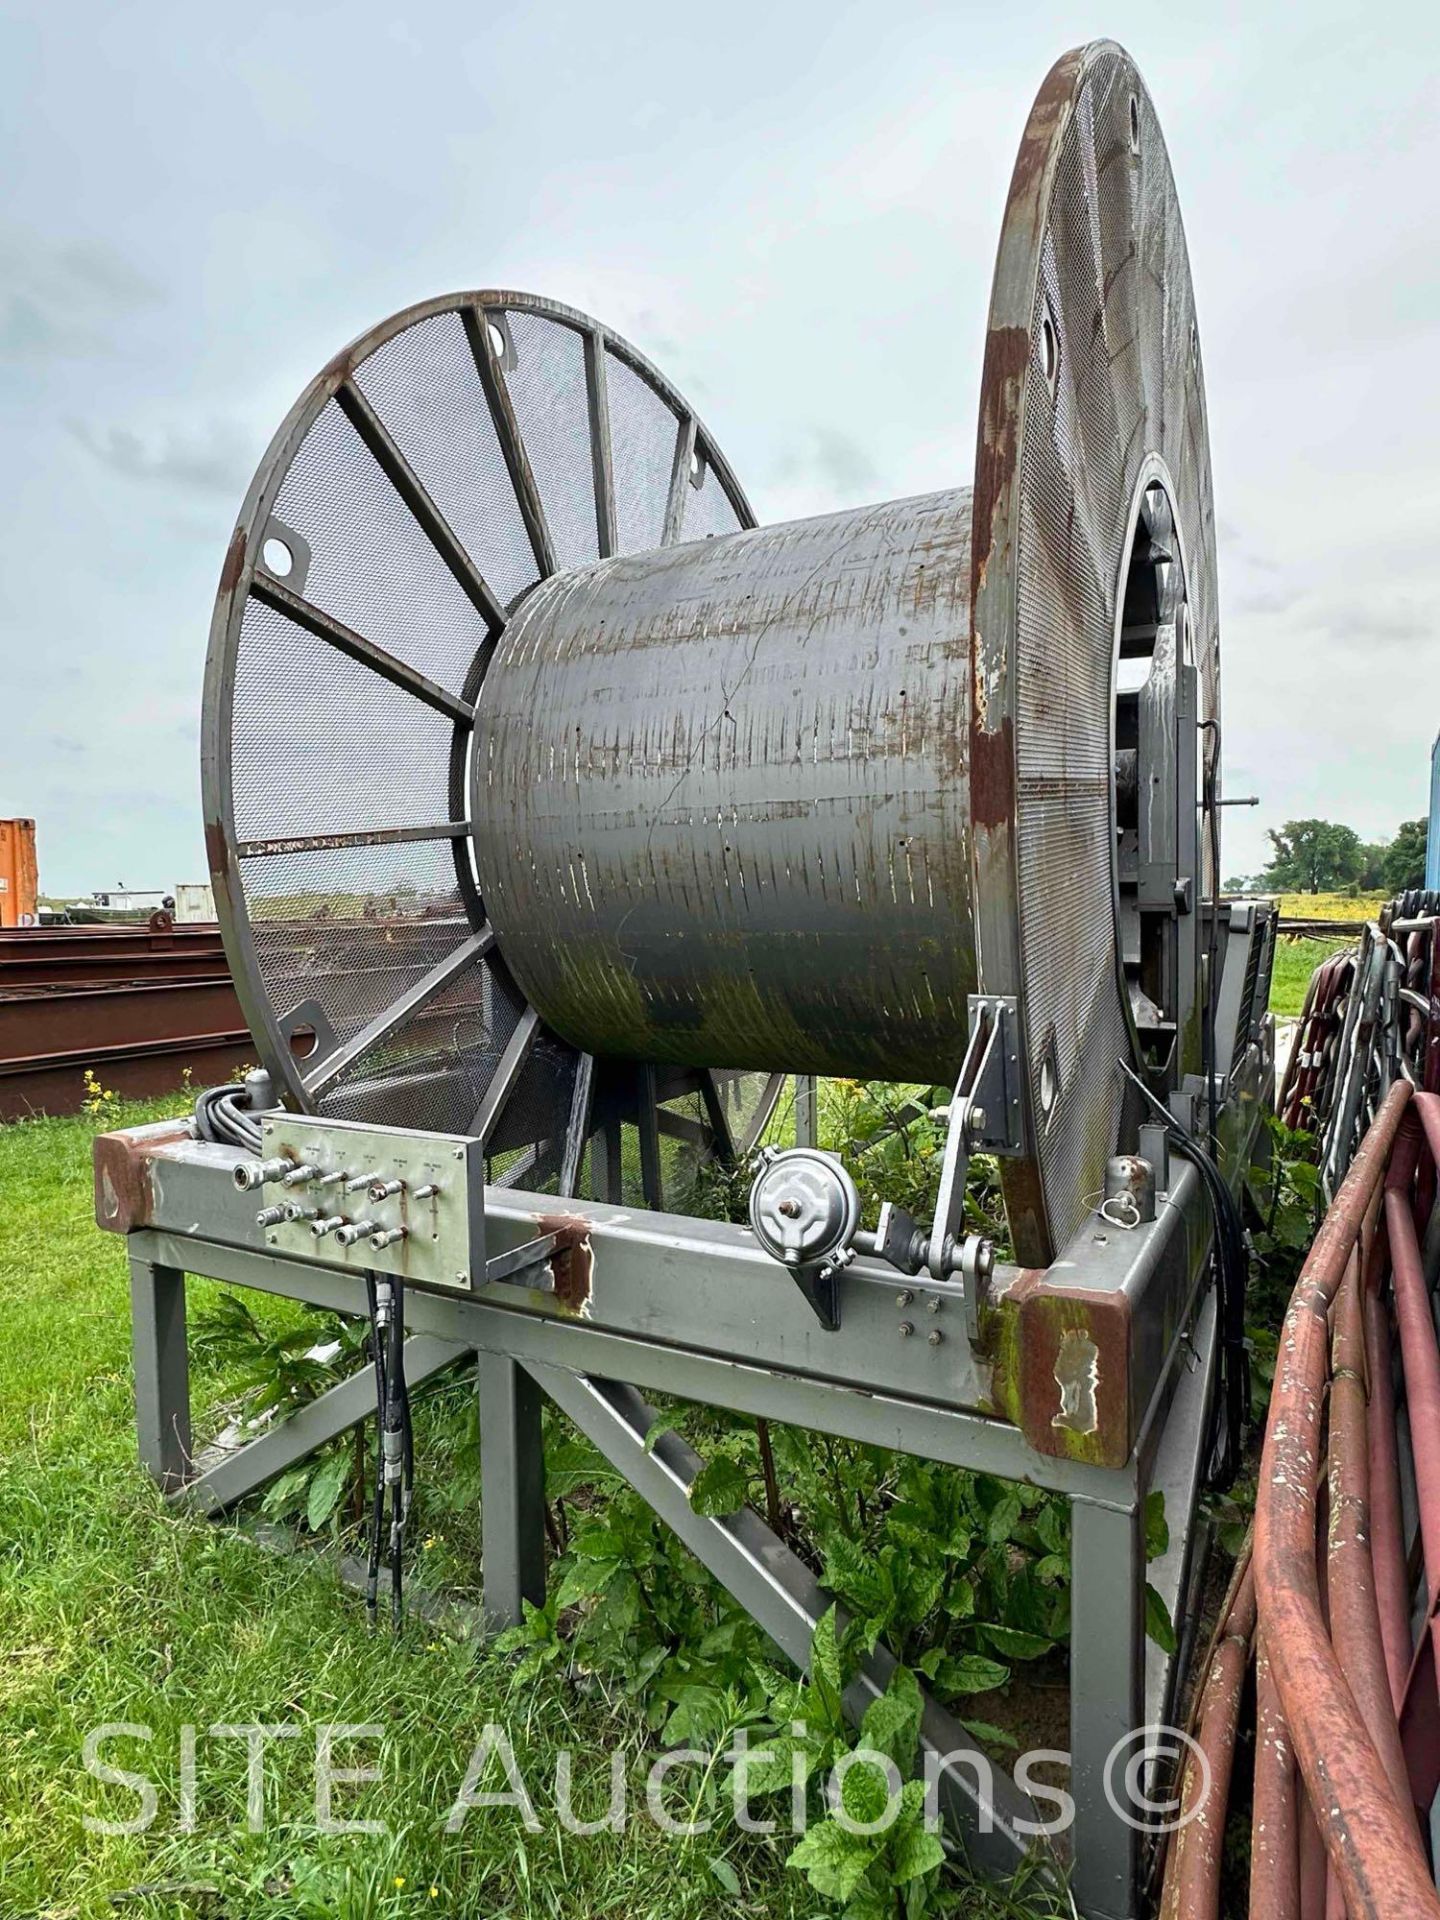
{"x": 1323, "y": 856}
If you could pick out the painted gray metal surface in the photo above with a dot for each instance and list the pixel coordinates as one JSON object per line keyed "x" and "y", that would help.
{"x": 1173, "y": 1465}
{"x": 778, "y": 799}
{"x": 1107, "y": 1635}
{"x": 580, "y": 1366}
{"x": 762, "y": 1573}
{"x": 512, "y": 1491}
{"x": 429, "y": 476}
{"x": 720, "y": 797}
{"x": 161, "y": 1358}
{"x": 778, "y": 1590}
{"x": 826, "y": 1404}
{"x": 679, "y": 1282}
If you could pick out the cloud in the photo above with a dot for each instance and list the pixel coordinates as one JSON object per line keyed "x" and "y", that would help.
{"x": 1402, "y": 623}
{"x": 216, "y": 458}
{"x": 830, "y": 457}
{"x": 1347, "y": 622}
{"x": 63, "y": 300}
{"x": 1257, "y": 600}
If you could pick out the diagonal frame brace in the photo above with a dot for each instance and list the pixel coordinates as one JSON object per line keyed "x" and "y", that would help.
{"x": 230, "y": 1477}
{"x": 779, "y": 1592}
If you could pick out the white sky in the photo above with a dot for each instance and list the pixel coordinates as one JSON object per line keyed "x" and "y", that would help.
{"x": 792, "y": 208}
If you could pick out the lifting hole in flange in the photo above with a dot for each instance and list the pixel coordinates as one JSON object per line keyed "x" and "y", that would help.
{"x": 1049, "y": 351}
{"x": 1047, "y": 1085}
{"x": 277, "y": 557}
{"x": 302, "y": 1041}
{"x": 1134, "y": 124}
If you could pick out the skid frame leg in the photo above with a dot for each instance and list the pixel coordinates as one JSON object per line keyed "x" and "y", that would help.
{"x": 1107, "y": 1701}
{"x": 162, "y": 1371}
{"x": 512, "y": 1492}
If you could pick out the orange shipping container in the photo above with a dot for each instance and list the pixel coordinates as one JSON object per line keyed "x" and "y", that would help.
{"x": 19, "y": 881}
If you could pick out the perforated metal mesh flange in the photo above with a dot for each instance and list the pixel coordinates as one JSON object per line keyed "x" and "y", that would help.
{"x": 1092, "y": 388}
{"x": 424, "y": 482}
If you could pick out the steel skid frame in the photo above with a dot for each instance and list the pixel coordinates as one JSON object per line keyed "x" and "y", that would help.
{"x": 1093, "y": 1380}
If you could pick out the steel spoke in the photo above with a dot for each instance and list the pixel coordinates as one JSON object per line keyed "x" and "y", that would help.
{"x": 576, "y": 1132}
{"x": 679, "y": 480}
{"x": 406, "y": 482}
{"x": 507, "y": 1077}
{"x": 324, "y": 842}
{"x": 384, "y": 1024}
{"x": 601, "y": 460}
{"x": 492, "y": 378}
{"x": 324, "y": 626}
{"x": 647, "y": 1123}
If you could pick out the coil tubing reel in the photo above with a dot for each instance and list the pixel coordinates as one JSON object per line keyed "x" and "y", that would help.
{"x": 545, "y": 790}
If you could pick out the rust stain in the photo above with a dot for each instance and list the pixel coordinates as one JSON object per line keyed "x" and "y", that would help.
{"x": 1066, "y": 1370}
{"x": 124, "y": 1200}
{"x": 234, "y": 561}
{"x": 1007, "y": 344}
{"x": 1056, "y": 91}
{"x": 1007, "y": 358}
{"x": 992, "y": 776}
{"x": 572, "y": 1264}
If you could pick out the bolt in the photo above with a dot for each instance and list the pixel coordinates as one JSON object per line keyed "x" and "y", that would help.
{"x": 976, "y": 1122}
{"x": 935, "y": 1336}
{"x": 932, "y": 1305}
{"x": 904, "y": 1297}
{"x": 906, "y": 1329}
{"x": 789, "y": 1208}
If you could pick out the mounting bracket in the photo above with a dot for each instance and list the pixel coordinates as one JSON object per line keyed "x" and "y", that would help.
{"x": 985, "y": 1116}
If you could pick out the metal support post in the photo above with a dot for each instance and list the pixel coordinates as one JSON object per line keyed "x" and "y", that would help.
{"x": 162, "y": 1370}
{"x": 1107, "y": 1701}
{"x": 512, "y": 1492}
{"x": 807, "y": 1110}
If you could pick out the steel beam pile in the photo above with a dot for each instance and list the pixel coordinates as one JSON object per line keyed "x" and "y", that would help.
{"x": 133, "y": 1007}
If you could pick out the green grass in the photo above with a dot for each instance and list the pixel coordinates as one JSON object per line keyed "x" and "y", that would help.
{"x": 114, "y": 1608}
{"x": 1295, "y": 961}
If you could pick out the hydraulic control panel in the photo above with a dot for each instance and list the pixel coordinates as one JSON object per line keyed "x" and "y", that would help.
{"x": 378, "y": 1199}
